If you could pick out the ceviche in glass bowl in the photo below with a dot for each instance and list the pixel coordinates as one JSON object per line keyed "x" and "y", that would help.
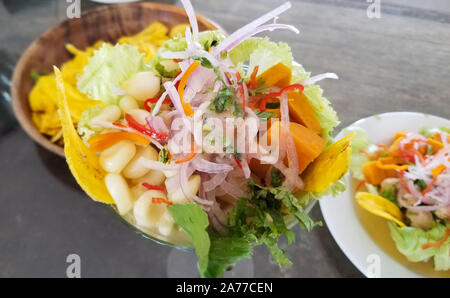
{"x": 218, "y": 143}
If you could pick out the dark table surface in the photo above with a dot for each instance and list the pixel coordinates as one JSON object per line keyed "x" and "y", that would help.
{"x": 397, "y": 62}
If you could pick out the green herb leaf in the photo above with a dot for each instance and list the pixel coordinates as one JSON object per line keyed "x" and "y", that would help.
{"x": 390, "y": 194}
{"x": 194, "y": 221}
{"x": 35, "y": 75}
{"x": 276, "y": 176}
{"x": 163, "y": 72}
{"x": 221, "y": 101}
{"x": 262, "y": 218}
{"x": 225, "y": 252}
{"x": 204, "y": 62}
{"x": 421, "y": 184}
{"x": 164, "y": 155}
{"x": 266, "y": 115}
{"x": 272, "y": 105}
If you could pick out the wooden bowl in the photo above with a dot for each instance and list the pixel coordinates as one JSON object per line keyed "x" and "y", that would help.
{"x": 107, "y": 23}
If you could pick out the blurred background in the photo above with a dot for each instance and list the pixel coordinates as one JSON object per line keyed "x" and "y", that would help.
{"x": 393, "y": 63}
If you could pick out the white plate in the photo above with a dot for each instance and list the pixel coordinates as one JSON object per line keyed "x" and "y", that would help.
{"x": 340, "y": 213}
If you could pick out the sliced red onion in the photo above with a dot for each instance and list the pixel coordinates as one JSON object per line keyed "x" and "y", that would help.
{"x": 112, "y": 126}
{"x": 224, "y": 44}
{"x": 320, "y": 77}
{"x": 183, "y": 176}
{"x": 291, "y": 179}
{"x": 270, "y": 27}
{"x": 157, "y": 124}
{"x": 214, "y": 182}
{"x": 206, "y": 166}
{"x": 159, "y": 103}
{"x": 192, "y": 18}
{"x": 245, "y": 167}
{"x": 174, "y": 55}
{"x": 157, "y": 165}
{"x": 174, "y": 97}
{"x": 172, "y": 184}
{"x": 419, "y": 208}
{"x": 232, "y": 190}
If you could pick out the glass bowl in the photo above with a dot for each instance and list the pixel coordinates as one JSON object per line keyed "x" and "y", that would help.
{"x": 180, "y": 240}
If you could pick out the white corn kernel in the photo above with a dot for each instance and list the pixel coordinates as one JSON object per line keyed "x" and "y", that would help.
{"x": 145, "y": 212}
{"x": 166, "y": 224}
{"x": 109, "y": 113}
{"x": 128, "y": 103}
{"x": 134, "y": 169}
{"x": 139, "y": 115}
{"x": 115, "y": 158}
{"x": 118, "y": 189}
{"x": 178, "y": 196}
{"x": 153, "y": 177}
{"x": 170, "y": 173}
{"x": 143, "y": 85}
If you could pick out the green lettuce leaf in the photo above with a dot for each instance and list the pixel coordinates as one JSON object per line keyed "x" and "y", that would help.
{"x": 194, "y": 221}
{"x": 409, "y": 241}
{"x": 264, "y": 53}
{"x": 178, "y": 44}
{"x": 83, "y": 127}
{"x": 359, "y": 142}
{"x": 429, "y": 131}
{"x": 108, "y": 68}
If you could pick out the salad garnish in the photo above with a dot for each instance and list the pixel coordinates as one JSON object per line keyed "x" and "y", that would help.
{"x": 223, "y": 140}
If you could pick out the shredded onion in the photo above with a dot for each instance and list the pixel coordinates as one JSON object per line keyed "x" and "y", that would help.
{"x": 250, "y": 27}
{"x": 320, "y": 77}
{"x": 291, "y": 179}
{"x": 157, "y": 165}
{"x": 206, "y": 166}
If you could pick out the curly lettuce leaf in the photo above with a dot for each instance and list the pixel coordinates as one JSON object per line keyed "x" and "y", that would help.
{"x": 264, "y": 53}
{"x": 84, "y": 128}
{"x": 360, "y": 142}
{"x": 409, "y": 242}
{"x": 107, "y": 69}
{"x": 178, "y": 44}
{"x": 429, "y": 131}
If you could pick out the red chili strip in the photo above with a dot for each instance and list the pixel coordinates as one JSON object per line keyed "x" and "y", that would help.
{"x": 439, "y": 243}
{"x": 402, "y": 181}
{"x": 237, "y": 161}
{"x": 360, "y": 184}
{"x": 161, "y": 200}
{"x": 154, "y": 187}
{"x": 262, "y": 105}
{"x": 144, "y": 130}
{"x": 241, "y": 92}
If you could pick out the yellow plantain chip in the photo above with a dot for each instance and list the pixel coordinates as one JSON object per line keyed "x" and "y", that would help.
{"x": 82, "y": 162}
{"x": 329, "y": 167}
{"x": 380, "y": 207}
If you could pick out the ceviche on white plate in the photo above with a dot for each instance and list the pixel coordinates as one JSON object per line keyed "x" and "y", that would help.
{"x": 398, "y": 204}
{"x": 218, "y": 143}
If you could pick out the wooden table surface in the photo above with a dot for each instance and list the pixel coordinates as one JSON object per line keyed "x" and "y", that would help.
{"x": 398, "y": 62}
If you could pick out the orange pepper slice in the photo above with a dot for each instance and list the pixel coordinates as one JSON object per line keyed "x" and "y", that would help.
{"x": 186, "y": 106}
{"x": 102, "y": 142}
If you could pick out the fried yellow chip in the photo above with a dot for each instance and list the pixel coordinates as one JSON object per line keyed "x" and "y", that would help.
{"x": 178, "y": 30}
{"x": 380, "y": 207}
{"x": 148, "y": 40}
{"x": 82, "y": 162}
{"x": 329, "y": 167}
